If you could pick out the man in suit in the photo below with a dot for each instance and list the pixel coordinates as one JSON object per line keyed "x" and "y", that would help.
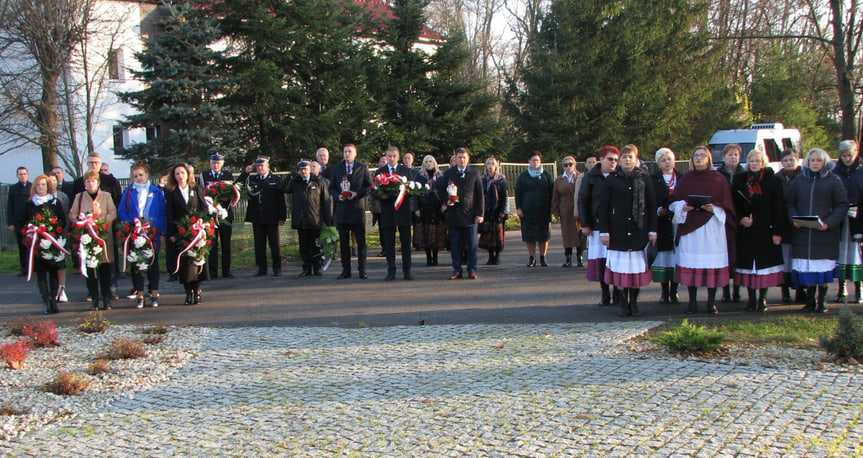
{"x": 267, "y": 211}
{"x": 393, "y": 219}
{"x": 349, "y": 184}
{"x": 223, "y": 233}
{"x": 460, "y": 192}
{"x": 322, "y": 155}
{"x": 107, "y": 182}
{"x": 16, "y": 212}
{"x": 62, "y": 185}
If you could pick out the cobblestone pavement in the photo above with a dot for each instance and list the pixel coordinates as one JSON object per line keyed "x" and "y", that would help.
{"x": 463, "y": 390}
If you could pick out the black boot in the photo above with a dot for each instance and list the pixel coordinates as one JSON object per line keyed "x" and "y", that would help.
{"x": 579, "y": 257}
{"x": 841, "y": 296}
{"x": 428, "y": 258}
{"x": 568, "y": 261}
{"x": 711, "y": 301}
{"x": 673, "y": 298}
{"x": 663, "y": 298}
{"x": 857, "y": 295}
{"x": 800, "y": 296}
{"x": 490, "y": 261}
{"x": 434, "y": 257}
{"x": 726, "y": 294}
{"x": 606, "y": 295}
{"x": 542, "y": 261}
{"x": 762, "y": 300}
{"x": 822, "y": 293}
{"x": 624, "y": 303}
{"x": 633, "y": 302}
{"x": 750, "y": 306}
{"x": 617, "y": 296}
{"x": 531, "y": 262}
{"x": 735, "y": 293}
{"x": 497, "y": 256}
{"x": 809, "y": 299}
{"x": 44, "y": 292}
{"x": 693, "y": 300}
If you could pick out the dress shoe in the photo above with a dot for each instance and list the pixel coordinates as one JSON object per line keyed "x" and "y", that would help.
{"x": 472, "y": 275}
{"x": 408, "y": 276}
{"x": 390, "y": 276}
{"x": 343, "y": 275}
{"x": 304, "y": 273}
{"x": 455, "y": 276}
{"x": 214, "y": 275}
{"x": 277, "y": 272}
{"x": 227, "y": 275}
{"x": 363, "y": 276}
{"x": 261, "y": 273}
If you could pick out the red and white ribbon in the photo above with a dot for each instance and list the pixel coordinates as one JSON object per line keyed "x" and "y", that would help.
{"x": 88, "y": 221}
{"x": 141, "y": 229}
{"x": 34, "y": 232}
{"x": 199, "y": 232}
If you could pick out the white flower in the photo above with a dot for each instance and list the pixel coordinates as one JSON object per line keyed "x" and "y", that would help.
{"x": 48, "y": 256}
{"x": 427, "y": 186}
{"x": 201, "y": 243}
{"x": 86, "y": 239}
{"x": 132, "y": 257}
{"x": 92, "y": 262}
{"x": 404, "y": 179}
{"x": 45, "y": 244}
{"x": 60, "y": 257}
{"x": 139, "y": 242}
{"x": 142, "y": 266}
{"x": 61, "y": 241}
{"x": 222, "y": 212}
{"x": 200, "y": 262}
{"x": 147, "y": 254}
{"x": 97, "y": 249}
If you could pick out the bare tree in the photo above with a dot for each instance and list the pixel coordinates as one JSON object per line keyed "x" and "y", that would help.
{"x": 37, "y": 38}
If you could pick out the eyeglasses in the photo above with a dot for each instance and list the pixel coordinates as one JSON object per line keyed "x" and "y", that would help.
{"x": 567, "y": 164}
{"x": 699, "y": 156}
{"x": 612, "y": 159}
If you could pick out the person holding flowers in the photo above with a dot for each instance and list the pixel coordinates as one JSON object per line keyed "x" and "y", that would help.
{"x": 219, "y": 184}
{"x": 396, "y": 211}
{"x": 187, "y": 229}
{"x": 142, "y": 210}
{"x": 92, "y": 213}
{"x": 44, "y": 239}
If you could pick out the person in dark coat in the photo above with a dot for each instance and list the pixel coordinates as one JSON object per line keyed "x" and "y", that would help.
{"x": 664, "y": 181}
{"x": 183, "y": 198}
{"x": 495, "y": 193}
{"x": 224, "y": 232}
{"x": 790, "y": 169}
{"x": 815, "y": 252}
{"x": 267, "y": 211}
{"x": 731, "y": 155}
{"x": 848, "y": 169}
{"x": 311, "y": 210}
{"x": 67, "y": 187}
{"x": 762, "y": 226}
{"x": 396, "y": 219}
{"x": 461, "y": 197}
{"x": 16, "y": 213}
{"x": 533, "y": 191}
{"x": 42, "y": 200}
{"x": 350, "y": 183}
{"x": 626, "y": 221}
{"x": 430, "y": 232}
{"x": 588, "y": 206}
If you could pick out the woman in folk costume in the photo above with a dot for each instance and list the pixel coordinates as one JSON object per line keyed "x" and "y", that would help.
{"x": 664, "y": 182}
{"x": 762, "y": 226}
{"x": 702, "y": 258}
{"x": 849, "y": 170}
{"x": 562, "y": 204}
{"x": 627, "y": 223}
{"x": 815, "y": 251}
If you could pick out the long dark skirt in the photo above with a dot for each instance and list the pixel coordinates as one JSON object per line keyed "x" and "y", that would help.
{"x": 494, "y": 238}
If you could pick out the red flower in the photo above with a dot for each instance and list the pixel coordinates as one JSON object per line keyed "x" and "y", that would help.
{"x": 209, "y": 242}
{"x": 118, "y": 234}
{"x": 182, "y": 230}
{"x": 126, "y": 227}
{"x": 58, "y": 230}
{"x": 104, "y": 226}
{"x": 193, "y": 219}
{"x": 38, "y": 217}
{"x": 53, "y": 220}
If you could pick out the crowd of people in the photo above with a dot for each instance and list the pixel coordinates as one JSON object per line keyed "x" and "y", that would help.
{"x": 729, "y": 228}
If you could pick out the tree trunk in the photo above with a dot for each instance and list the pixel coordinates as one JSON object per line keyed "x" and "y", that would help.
{"x": 48, "y": 121}
{"x": 846, "y": 92}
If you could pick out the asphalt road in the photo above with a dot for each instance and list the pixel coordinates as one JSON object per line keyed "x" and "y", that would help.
{"x": 506, "y": 293}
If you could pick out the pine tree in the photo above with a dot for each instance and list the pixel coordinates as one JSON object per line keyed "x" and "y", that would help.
{"x": 181, "y": 101}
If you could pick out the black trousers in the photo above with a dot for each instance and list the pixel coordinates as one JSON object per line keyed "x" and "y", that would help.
{"x": 22, "y": 250}
{"x": 388, "y": 243}
{"x": 345, "y": 231}
{"x": 267, "y": 234}
{"x": 152, "y": 275}
{"x": 223, "y": 235}
{"x": 310, "y": 252}
{"x": 99, "y": 279}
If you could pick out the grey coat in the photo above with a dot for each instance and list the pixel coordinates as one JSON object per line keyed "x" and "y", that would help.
{"x": 820, "y": 194}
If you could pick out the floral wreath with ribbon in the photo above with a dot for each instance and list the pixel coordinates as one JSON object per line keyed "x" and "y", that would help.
{"x": 89, "y": 233}
{"x": 139, "y": 250}
{"x": 222, "y": 195}
{"x": 195, "y": 236}
{"x": 44, "y": 238}
{"x": 394, "y": 186}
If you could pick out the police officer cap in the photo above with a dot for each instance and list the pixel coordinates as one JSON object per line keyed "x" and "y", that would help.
{"x": 217, "y": 157}
{"x": 262, "y": 160}
{"x": 303, "y": 164}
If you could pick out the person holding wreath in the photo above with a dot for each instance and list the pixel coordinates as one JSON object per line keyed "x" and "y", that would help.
{"x": 44, "y": 209}
{"x": 185, "y": 199}
{"x": 89, "y": 207}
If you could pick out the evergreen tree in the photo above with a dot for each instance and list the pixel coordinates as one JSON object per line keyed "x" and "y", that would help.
{"x": 616, "y": 72}
{"x": 180, "y": 104}
{"x": 301, "y": 69}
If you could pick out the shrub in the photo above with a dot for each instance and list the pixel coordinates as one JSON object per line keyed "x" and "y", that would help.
{"x": 160, "y": 328}
{"x": 15, "y": 353}
{"x": 44, "y": 334}
{"x": 16, "y": 325}
{"x": 66, "y": 383}
{"x": 11, "y": 411}
{"x": 93, "y": 323}
{"x": 153, "y": 339}
{"x": 690, "y": 338}
{"x": 124, "y": 349}
{"x": 99, "y": 366}
{"x": 848, "y": 341}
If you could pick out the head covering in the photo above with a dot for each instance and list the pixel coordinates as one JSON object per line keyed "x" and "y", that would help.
{"x": 709, "y": 183}
{"x": 303, "y": 164}
{"x": 262, "y": 160}
{"x": 217, "y": 157}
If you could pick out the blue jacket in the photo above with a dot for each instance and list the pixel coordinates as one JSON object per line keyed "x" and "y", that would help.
{"x": 154, "y": 209}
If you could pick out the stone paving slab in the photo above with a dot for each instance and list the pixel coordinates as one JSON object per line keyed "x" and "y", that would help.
{"x": 463, "y": 390}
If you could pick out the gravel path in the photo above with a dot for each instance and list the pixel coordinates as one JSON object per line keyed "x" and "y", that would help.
{"x": 450, "y": 390}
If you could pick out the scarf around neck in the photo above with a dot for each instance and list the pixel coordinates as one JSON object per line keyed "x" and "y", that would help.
{"x": 534, "y": 173}
{"x": 41, "y": 200}
{"x": 637, "y": 175}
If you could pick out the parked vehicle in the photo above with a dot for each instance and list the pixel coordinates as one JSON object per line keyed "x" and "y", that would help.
{"x": 770, "y": 137}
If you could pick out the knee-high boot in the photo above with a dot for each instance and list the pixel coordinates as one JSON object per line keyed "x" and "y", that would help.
{"x": 762, "y": 300}
{"x": 579, "y": 253}
{"x": 623, "y": 302}
{"x": 434, "y": 256}
{"x": 822, "y": 293}
{"x": 711, "y": 301}
{"x": 841, "y": 296}
{"x": 786, "y": 290}
{"x": 663, "y": 298}
{"x": 673, "y": 298}
{"x": 810, "y": 299}
{"x": 428, "y": 257}
{"x": 857, "y": 294}
{"x": 750, "y": 305}
{"x": 633, "y": 302}
{"x": 726, "y": 294}
{"x": 44, "y": 292}
{"x": 606, "y": 295}
{"x": 693, "y": 300}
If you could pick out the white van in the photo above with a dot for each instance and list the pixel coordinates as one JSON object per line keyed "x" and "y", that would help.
{"x": 772, "y": 138}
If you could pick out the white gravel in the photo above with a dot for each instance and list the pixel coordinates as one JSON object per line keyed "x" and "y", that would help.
{"x": 22, "y": 390}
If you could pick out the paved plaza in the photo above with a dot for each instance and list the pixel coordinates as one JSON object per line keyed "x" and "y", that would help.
{"x": 462, "y": 390}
